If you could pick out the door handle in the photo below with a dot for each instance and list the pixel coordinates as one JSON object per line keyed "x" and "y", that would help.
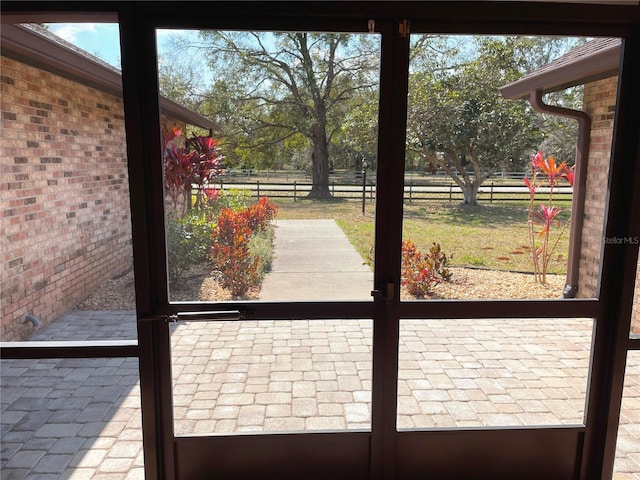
{"x": 220, "y": 315}
{"x": 385, "y": 291}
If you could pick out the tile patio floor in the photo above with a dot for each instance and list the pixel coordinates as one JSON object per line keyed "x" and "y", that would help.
{"x": 78, "y": 419}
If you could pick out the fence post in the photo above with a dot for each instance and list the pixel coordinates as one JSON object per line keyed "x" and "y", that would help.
{"x": 450, "y": 193}
{"x": 333, "y": 188}
{"x": 294, "y": 191}
{"x": 491, "y": 198}
{"x": 258, "y": 185}
{"x": 364, "y": 189}
{"x": 410, "y": 191}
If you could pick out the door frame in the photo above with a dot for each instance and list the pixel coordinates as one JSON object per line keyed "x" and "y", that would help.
{"x": 394, "y": 453}
{"x": 315, "y": 451}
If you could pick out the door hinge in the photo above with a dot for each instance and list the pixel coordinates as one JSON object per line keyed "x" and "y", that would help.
{"x": 385, "y": 291}
{"x": 404, "y": 28}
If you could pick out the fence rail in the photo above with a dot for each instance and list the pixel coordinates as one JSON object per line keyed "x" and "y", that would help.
{"x": 343, "y": 175}
{"x": 412, "y": 192}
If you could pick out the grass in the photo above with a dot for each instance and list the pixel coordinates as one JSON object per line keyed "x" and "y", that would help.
{"x": 492, "y": 235}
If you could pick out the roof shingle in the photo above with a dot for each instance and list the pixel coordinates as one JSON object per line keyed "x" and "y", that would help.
{"x": 596, "y": 59}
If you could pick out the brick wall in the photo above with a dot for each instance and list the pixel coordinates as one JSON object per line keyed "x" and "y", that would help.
{"x": 600, "y": 104}
{"x": 65, "y": 196}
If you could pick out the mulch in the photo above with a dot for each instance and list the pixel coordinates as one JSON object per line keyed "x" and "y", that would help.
{"x": 118, "y": 293}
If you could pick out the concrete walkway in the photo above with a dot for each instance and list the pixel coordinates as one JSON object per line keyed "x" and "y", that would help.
{"x": 313, "y": 260}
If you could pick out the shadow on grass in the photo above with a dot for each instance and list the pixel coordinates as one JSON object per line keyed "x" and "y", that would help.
{"x": 468, "y": 215}
{"x": 301, "y": 201}
{"x": 488, "y": 215}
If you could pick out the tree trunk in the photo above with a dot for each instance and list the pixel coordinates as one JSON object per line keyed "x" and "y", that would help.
{"x": 320, "y": 163}
{"x": 470, "y": 192}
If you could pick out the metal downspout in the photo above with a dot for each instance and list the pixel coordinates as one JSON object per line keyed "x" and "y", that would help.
{"x": 579, "y": 185}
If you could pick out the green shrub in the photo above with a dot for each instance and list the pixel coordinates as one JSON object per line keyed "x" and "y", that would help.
{"x": 234, "y": 199}
{"x": 188, "y": 242}
{"x": 261, "y": 248}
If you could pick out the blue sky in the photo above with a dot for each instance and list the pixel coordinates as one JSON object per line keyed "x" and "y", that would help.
{"x": 99, "y": 39}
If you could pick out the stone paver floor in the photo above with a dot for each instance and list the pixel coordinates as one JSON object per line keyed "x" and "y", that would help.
{"x": 77, "y": 418}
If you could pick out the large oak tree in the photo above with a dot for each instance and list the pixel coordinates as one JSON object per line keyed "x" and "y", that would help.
{"x": 289, "y": 87}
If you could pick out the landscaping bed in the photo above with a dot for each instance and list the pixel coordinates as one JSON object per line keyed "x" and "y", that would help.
{"x": 486, "y": 277}
{"x": 466, "y": 284}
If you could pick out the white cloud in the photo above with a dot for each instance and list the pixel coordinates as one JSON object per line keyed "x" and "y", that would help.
{"x": 70, "y": 31}
{"x": 99, "y": 39}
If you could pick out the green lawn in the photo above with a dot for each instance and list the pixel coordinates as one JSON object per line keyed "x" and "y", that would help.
{"x": 493, "y": 235}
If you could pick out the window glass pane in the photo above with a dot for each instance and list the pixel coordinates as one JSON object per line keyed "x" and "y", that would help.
{"x": 627, "y": 462}
{"x": 268, "y": 376}
{"x": 493, "y": 373}
{"x": 492, "y": 203}
{"x": 269, "y": 163}
{"x": 71, "y": 418}
{"x": 66, "y": 225}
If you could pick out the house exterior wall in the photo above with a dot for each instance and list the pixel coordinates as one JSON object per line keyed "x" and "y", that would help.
{"x": 635, "y": 316}
{"x": 600, "y": 104}
{"x": 65, "y": 214}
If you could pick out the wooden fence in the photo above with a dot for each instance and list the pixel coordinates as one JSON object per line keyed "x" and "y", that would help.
{"x": 447, "y": 192}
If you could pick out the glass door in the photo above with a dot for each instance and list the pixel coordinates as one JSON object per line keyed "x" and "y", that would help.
{"x": 297, "y": 317}
{"x": 269, "y": 193}
{"x": 492, "y": 237}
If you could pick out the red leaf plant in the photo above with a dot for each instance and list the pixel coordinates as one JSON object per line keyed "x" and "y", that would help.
{"x": 420, "y": 273}
{"x": 231, "y": 254}
{"x": 194, "y": 162}
{"x": 260, "y": 214}
{"x": 541, "y": 220}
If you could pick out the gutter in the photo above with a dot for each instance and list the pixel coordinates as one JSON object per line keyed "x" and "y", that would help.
{"x": 579, "y": 185}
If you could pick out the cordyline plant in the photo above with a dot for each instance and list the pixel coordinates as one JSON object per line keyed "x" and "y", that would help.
{"x": 195, "y": 161}
{"x": 543, "y": 218}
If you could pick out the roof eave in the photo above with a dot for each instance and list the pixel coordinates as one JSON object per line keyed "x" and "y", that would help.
{"x": 177, "y": 111}
{"x": 25, "y": 45}
{"x": 601, "y": 64}
{"x": 33, "y": 48}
